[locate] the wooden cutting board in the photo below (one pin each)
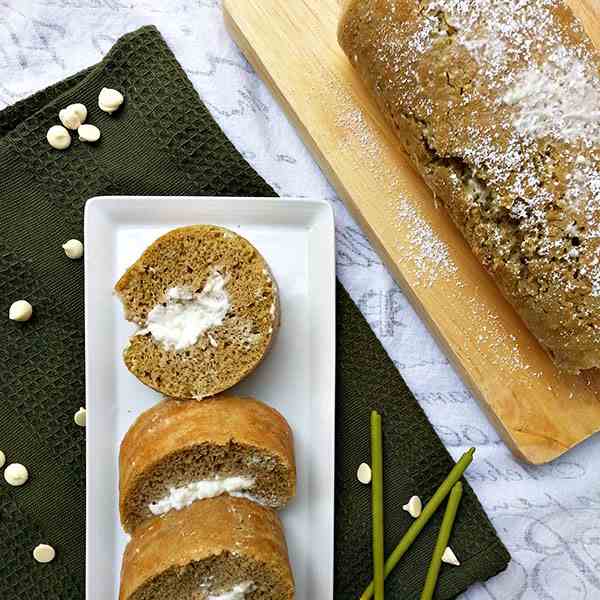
(292, 44)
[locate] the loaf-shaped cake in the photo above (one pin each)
(181, 452)
(219, 549)
(497, 102)
(207, 307)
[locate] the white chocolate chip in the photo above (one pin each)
(20, 310)
(449, 557)
(88, 133)
(44, 553)
(16, 474)
(73, 116)
(364, 473)
(2, 459)
(73, 249)
(58, 137)
(80, 417)
(414, 506)
(109, 100)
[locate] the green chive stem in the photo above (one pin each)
(442, 541)
(377, 505)
(413, 531)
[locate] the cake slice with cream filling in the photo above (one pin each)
(207, 310)
(222, 548)
(181, 452)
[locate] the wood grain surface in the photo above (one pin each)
(292, 44)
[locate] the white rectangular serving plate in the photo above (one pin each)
(296, 237)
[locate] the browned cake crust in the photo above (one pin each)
(210, 545)
(175, 443)
(186, 258)
(497, 102)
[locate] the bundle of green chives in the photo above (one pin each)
(413, 531)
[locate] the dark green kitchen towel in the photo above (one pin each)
(164, 142)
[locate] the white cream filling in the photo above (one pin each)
(187, 315)
(238, 592)
(183, 496)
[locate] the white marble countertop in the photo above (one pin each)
(549, 517)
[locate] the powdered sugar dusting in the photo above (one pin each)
(561, 99)
(492, 335)
(428, 254)
(352, 120)
(509, 28)
(425, 251)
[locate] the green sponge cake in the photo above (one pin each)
(207, 307)
(181, 452)
(219, 549)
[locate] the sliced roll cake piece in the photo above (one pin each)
(180, 452)
(207, 307)
(219, 549)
